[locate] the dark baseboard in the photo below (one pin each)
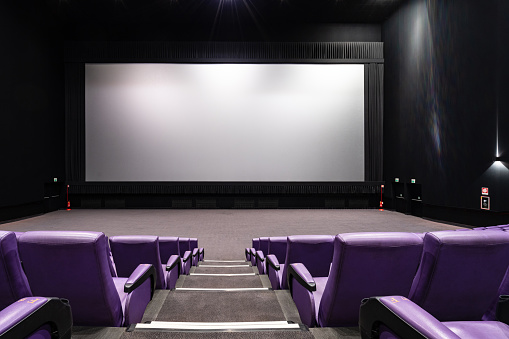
(465, 216)
(10, 213)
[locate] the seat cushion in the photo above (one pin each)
(280, 275)
(165, 275)
(478, 329)
(119, 285)
(320, 287)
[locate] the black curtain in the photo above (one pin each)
(75, 122)
(368, 53)
(373, 122)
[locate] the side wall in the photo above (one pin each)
(446, 106)
(31, 111)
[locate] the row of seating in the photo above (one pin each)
(97, 284)
(406, 280)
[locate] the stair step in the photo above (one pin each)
(217, 326)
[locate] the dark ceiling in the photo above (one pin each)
(137, 19)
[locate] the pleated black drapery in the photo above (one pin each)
(373, 122)
(368, 53)
(75, 122)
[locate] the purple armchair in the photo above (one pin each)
(23, 315)
(251, 251)
(74, 266)
(261, 253)
(198, 253)
(314, 251)
(169, 246)
(277, 249)
(130, 251)
(36, 317)
(455, 287)
(185, 254)
(364, 265)
(13, 281)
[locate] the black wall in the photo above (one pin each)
(31, 109)
(446, 82)
(32, 78)
(445, 91)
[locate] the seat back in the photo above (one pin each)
(264, 245)
(314, 251)
(184, 245)
(256, 243)
(277, 246)
(74, 266)
(13, 281)
(168, 246)
(365, 265)
(131, 250)
(460, 273)
(193, 243)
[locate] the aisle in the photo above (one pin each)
(220, 299)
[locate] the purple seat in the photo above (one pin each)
(394, 317)
(364, 265)
(21, 314)
(277, 248)
(456, 286)
(314, 251)
(36, 317)
(261, 253)
(129, 251)
(13, 281)
(185, 255)
(74, 266)
(197, 252)
(474, 261)
(251, 252)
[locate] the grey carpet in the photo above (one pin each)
(221, 307)
(213, 263)
(221, 282)
(225, 233)
(223, 270)
(220, 335)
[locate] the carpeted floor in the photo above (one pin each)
(220, 335)
(225, 270)
(221, 307)
(221, 282)
(225, 233)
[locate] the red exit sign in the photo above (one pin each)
(484, 191)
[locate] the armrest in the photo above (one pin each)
(301, 274)
(187, 255)
(201, 250)
(139, 276)
(253, 251)
(173, 261)
(273, 262)
(27, 315)
(503, 309)
(402, 316)
(260, 256)
(195, 252)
